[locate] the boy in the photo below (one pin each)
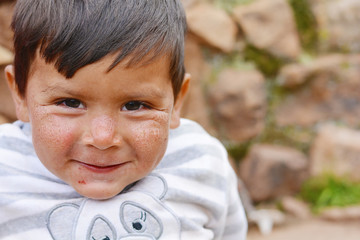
(100, 151)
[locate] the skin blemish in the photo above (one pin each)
(82, 182)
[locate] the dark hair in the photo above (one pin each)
(74, 33)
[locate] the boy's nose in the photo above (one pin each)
(103, 133)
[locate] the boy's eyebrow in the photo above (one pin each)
(55, 88)
(152, 92)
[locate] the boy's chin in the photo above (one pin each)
(97, 191)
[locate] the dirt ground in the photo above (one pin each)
(310, 229)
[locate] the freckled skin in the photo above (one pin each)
(96, 142)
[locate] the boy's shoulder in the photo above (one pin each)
(191, 138)
(17, 129)
(16, 137)
(192, 150)
(192, 130)
(186, 126)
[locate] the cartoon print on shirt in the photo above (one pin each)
(135, 214)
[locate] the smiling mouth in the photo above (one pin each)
(100, 169)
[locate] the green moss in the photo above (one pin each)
(328, 191)
(238, 151)
(268, 64)
(290, 136)
(306, 23)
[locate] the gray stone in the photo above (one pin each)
(238, 101)
(336, 150)
(213, 25)
(271, 171)
(338, 23)
(6, 35)
(329, 91)
(6, 56)
(351, 213)
(3, 119)
(293, 75)
(295, 207)
(270, 25)
(296, 74)
(190, 3)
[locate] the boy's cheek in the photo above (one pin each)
(53, 132)
(152, 136)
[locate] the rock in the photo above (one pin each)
(6, 36)
(331, 91)
(213, 25)
(7, 107)
(293, 75)
(238, 102)
(296, 74)
(296, 207)
(271, 171)
(195, 106)
(338, 24)
(336, 150)
(6, 56)
(351, 213)
(270, 25)
(3, 119)
(190, 3)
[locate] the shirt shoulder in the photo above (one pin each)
(16, 138)
(190, 141)
(201, 184)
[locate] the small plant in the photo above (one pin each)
(306, 23)
(329, 190)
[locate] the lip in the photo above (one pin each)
(100, 169)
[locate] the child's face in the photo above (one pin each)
(99, 131)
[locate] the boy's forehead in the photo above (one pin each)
(39, 63)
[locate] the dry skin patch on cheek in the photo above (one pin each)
(57, 133)
(155, 130)
(151, 138)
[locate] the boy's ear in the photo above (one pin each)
(175, 116)
(19, 100)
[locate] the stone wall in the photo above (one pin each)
(281, 87)
(277, 81)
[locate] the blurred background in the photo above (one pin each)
(278, 82)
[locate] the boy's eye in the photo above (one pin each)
(71, 103)
(133, 105)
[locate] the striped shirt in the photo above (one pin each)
(192, 194)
